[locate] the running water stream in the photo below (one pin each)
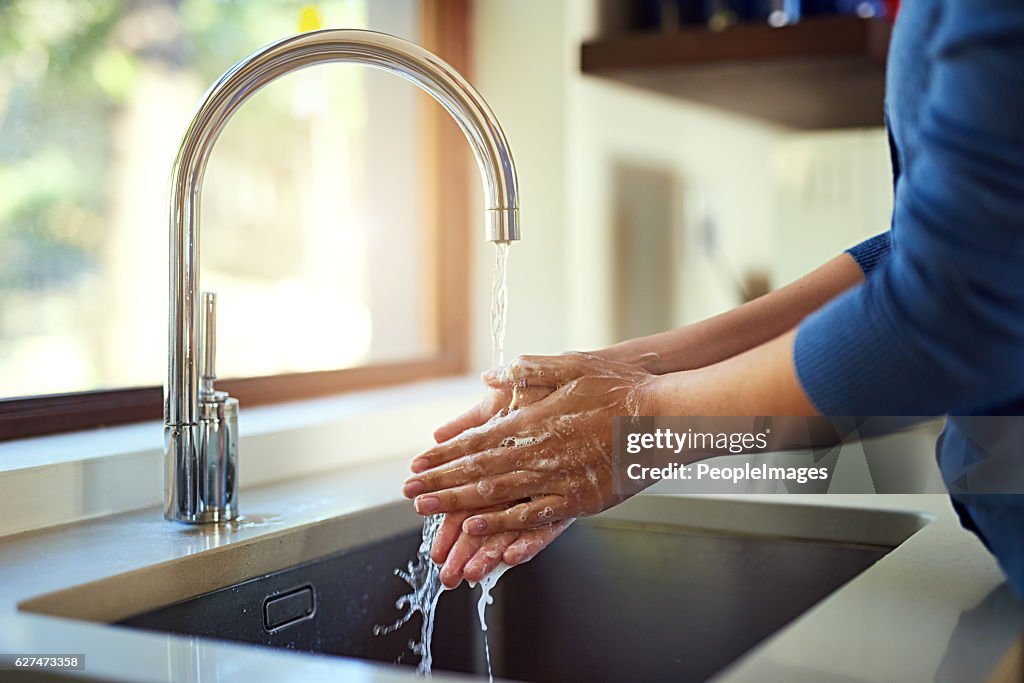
(499, 304)
(486, 584)
(422, 575)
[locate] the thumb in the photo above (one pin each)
(495, 377)
(550, 371)
(524, 397)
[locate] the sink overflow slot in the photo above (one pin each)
(282, 610)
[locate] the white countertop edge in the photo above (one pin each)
(136, 656)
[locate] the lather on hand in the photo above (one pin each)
(546, 462)
(474, 557)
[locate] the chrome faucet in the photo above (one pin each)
(200, 423)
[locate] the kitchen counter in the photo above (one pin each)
(935, 608)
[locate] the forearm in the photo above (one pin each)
(741, 329)
(760, 381)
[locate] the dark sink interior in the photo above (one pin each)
(606, 602)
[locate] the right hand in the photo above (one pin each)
(499, 398)
(474, 557)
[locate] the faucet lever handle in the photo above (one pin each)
(209, 340)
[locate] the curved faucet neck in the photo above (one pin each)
(228, 94)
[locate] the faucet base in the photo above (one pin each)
(208, 517)
(201, 465)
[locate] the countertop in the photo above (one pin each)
(936, 608)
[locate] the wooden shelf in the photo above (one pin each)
(824, 72)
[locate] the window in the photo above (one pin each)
(320, 229)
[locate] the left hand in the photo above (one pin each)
(554, 454)
(474, 557)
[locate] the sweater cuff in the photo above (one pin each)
(851, 360)
(869, 253)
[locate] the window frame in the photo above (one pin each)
(446, 166)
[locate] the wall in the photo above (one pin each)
(522, 67)
(774, 201)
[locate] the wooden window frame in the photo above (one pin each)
(446, 165)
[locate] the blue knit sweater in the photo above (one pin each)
(938, 325)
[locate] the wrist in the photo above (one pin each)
(654, 396)
(614, 353)
(625, 353)
(674, 394)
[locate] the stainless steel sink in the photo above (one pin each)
(659, 589)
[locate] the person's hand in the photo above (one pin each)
(463, 556)
(497, 398)
(500, 396)
(546, 462)
(474, 557)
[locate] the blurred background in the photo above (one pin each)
(645, 206)
(668, 171)
(299, 213)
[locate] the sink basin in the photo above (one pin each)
(632, 594)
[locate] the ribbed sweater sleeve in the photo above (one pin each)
(869, 253)
(939, 326)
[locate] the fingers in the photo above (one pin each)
(495, 378)
(554, 371)
(471, 441)
(526, 515)
(451, 529)
(456, 426)
(549, 371)
(488, 557)
(532, 541)
(465, 547)
(522, 397)
(532, 378)
(472, 558)
(490, 405)
(474, 417)
(503, 488)
(462, 471)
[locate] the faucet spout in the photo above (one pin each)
(189, 463)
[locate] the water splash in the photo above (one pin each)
(255, 522)
(486, 584)
(424, 578)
